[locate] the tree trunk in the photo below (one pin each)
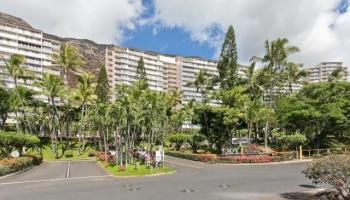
(105, 145)
(265, 138)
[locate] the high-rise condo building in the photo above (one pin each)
(323, 70)
(36, 49)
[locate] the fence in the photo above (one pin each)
(312, 153)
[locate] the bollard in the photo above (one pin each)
(301, 152)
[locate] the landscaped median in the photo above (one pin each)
(134, 170)
(232, 159)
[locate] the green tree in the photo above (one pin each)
(179, 139)
(84, 94)
(102, 88)
(227, 65)
(141, 70)
(276, 58)
(319, 111)
(294, 75)
(52, 87)
(336, 75)
(69, 60)
(5, 106)
(16, 70)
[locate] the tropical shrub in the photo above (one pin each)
(179, 139)
(36, 158)
(110, 158)
(12, 140)
(196, 140)
(68, 154)
(92, 153)
(333, 171)
(291, 141)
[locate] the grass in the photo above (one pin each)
(48, 154)
(132, 171)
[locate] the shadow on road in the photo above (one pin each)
(297, 196)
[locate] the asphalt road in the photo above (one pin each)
(193, 180)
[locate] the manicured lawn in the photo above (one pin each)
(48, 154)
(131, 171)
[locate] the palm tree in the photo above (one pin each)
(336, 75)
(253, 87)
(275, 58)
(84, 94)
(203, 84)
(69, 60)
(294, 75)
(15, 68)
(52, 87)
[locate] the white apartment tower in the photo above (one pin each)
(31, 44)
(164, 72)
(121, 65)
(322, 71)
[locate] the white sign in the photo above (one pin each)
(159, 156)
(15, 154)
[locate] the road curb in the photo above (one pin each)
(136, 176)
(15, 173)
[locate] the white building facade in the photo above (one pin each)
(36, 49)
(322, 71)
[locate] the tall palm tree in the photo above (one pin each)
(52, 87)
(276, 59)
(203, 84)
(69, 60)
(253, 87)
(294, 75)
(16, 70)
(85, 95)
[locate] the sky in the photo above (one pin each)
(320, 28)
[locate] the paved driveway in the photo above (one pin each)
(55, 171)
(193, 180)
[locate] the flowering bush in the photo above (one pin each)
(331, 170)
(246, 159)
(102, 157)
(207, 157)
(12, 165)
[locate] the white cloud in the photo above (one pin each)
(306, 23)
(103, 21)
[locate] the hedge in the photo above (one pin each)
(12, 140)
(191, 156)
(246, 159)
(213, 158)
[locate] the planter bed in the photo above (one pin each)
(232, 159)
(8, 166)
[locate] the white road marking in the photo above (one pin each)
(176, 163)
(68, 170)
(52, 180)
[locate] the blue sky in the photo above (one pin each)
(166, 40)
(175, 40)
